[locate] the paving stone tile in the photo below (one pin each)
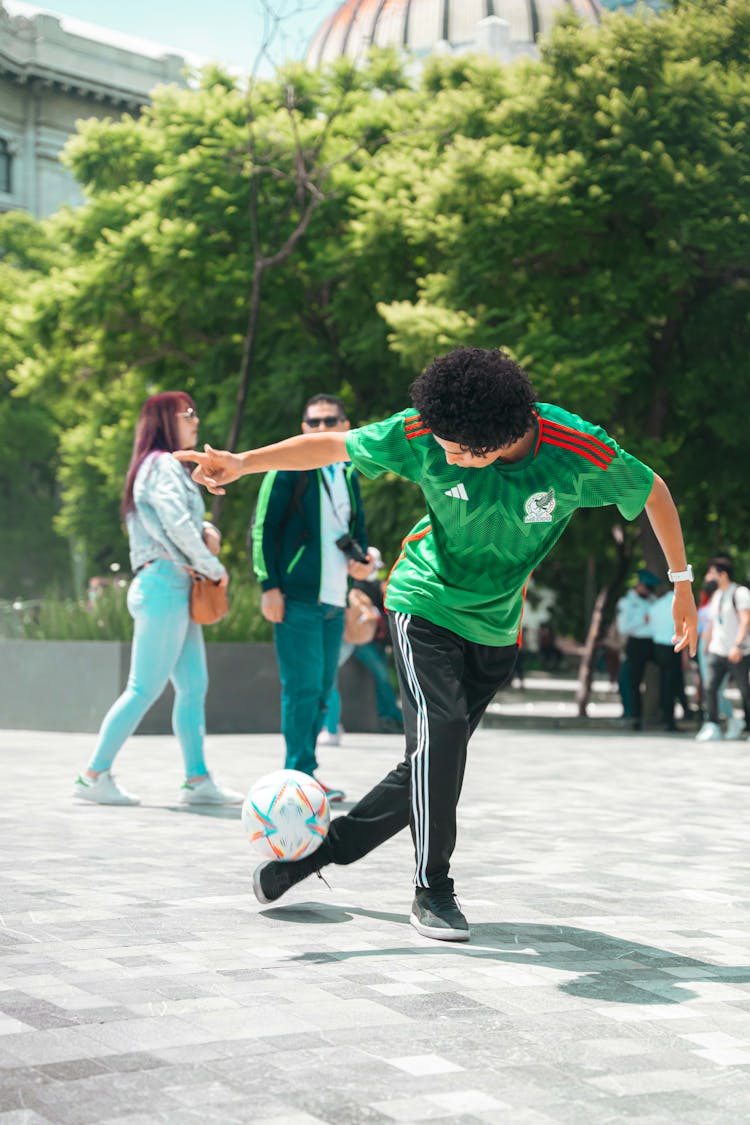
(23, 1117)
(425, 1064)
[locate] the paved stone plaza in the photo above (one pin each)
(607, 979)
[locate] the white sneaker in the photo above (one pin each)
(102, 791)
(207, 792)
(709, 732)
(735, 727)
(329, 738)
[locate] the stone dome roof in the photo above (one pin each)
(419, 25)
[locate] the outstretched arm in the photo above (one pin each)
(661, 511)
(219, 467)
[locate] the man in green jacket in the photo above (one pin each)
(304, 537)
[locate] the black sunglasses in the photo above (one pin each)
(190, 413)
(330, 421)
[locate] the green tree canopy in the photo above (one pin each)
(587, 211)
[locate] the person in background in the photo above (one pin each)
(726, 711)
(727, 642)
(373, 656)
(634, 623)
(301, 540)
(669, 662)
(163, 512)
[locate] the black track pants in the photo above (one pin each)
(639, 650)
(446, 684)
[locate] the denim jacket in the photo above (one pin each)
(167, 521)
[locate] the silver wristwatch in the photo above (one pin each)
(681, 575)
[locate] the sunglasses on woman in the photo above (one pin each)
(190, 413)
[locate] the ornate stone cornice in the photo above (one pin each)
(38, 52)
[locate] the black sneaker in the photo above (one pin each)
(272, 878)
(436, 914)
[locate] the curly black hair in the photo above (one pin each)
(480, 399)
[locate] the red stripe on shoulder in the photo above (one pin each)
(415, 427)
(577, 435)
(581, 451)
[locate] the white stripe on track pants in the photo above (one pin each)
(446, 685)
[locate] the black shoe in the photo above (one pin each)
(272, 878)
(436, 914)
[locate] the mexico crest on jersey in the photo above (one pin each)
(539, 507)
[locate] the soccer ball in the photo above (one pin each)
(286, 815)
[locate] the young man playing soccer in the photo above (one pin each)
(502, 474)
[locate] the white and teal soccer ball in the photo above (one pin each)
(286, 815)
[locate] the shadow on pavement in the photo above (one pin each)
(609, 968)
(218, 812)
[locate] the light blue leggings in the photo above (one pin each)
(167, 645)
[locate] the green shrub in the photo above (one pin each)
(107, 618)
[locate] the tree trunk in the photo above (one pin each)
(248, 348)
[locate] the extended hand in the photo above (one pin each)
(685, 617)
(216, 467)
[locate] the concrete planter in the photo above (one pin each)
(70, 685)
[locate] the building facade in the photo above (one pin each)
(50, 78)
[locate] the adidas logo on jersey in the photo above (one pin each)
(458, 492)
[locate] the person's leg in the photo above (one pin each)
(446, 684)
(373, 658)
(624, 686)
(158, 602)
(488, 671)
(663, 657)
(716, 668)
(190, 681)
(725, 707)
(740, 674)
(333, 712)
(299, 649)
(680, 683)
(331, 729)
(332, 632)
(438, 717)
(639, 652)
(429, 663)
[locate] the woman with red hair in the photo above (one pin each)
(163, 512)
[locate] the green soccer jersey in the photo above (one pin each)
(466, 563)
